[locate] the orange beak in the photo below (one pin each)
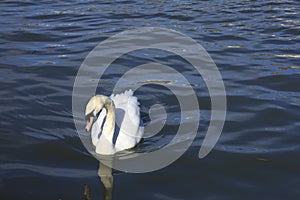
(89, 124)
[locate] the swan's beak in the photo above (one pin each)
(89, 124)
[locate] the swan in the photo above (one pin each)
(121, 109)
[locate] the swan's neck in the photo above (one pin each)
(109, 125)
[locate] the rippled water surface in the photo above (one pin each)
(255, 45)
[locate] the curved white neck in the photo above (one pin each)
(109, 125)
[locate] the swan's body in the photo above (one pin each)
(121, 110)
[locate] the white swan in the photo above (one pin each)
(122, 109)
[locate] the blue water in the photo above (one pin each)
(255, 45)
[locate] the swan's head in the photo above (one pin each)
(93, 107)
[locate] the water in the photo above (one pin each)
(254, 44)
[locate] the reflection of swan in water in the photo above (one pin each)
(105, 174)
(106, 177)
(122, 109)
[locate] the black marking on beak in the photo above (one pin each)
(88, 116)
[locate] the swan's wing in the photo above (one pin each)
(127, 111)
(128, 119)
(97, 127)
